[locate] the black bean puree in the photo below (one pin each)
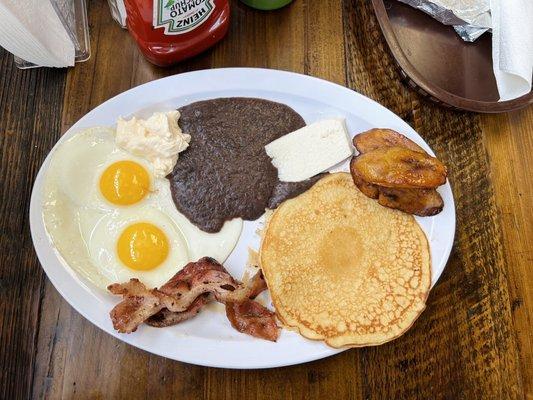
(225, 173)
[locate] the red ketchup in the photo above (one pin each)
(168, 31)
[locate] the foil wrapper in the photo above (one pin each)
(470, 18)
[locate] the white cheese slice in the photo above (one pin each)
(33, 31)
(301, 154)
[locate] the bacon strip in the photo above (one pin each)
(139, 304)
(183, 296)
(205, 276)
(252, 318)
(168, 318)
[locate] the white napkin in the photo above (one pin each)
(32, 30)
(512, 46)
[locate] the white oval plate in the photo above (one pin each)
(209, 339)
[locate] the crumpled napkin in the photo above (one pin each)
(512, 46)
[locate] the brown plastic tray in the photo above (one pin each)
(435, 61)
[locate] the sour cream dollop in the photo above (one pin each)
(158, 139)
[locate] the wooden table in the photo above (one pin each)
(472, 342)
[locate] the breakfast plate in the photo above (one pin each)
(208, 339)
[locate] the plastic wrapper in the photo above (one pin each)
(470, 18)
(118, 11)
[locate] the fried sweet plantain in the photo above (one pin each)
(379, 138)
(398, 167)
(368, 189)
(422, 202)
(397, 172)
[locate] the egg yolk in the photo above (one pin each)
(142, 246)
(124, 183)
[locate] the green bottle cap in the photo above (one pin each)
(266, 4)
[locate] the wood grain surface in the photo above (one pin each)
(472, 342)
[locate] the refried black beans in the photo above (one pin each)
(225, 173)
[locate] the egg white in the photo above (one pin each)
(84, 226)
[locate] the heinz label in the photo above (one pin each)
(181, 16)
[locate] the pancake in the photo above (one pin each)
(343, 269)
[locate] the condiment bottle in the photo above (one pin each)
(168, 31)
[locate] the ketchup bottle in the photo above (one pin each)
(168, 31)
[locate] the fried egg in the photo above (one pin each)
(95, 173)
(140, 242)
(111, 219)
